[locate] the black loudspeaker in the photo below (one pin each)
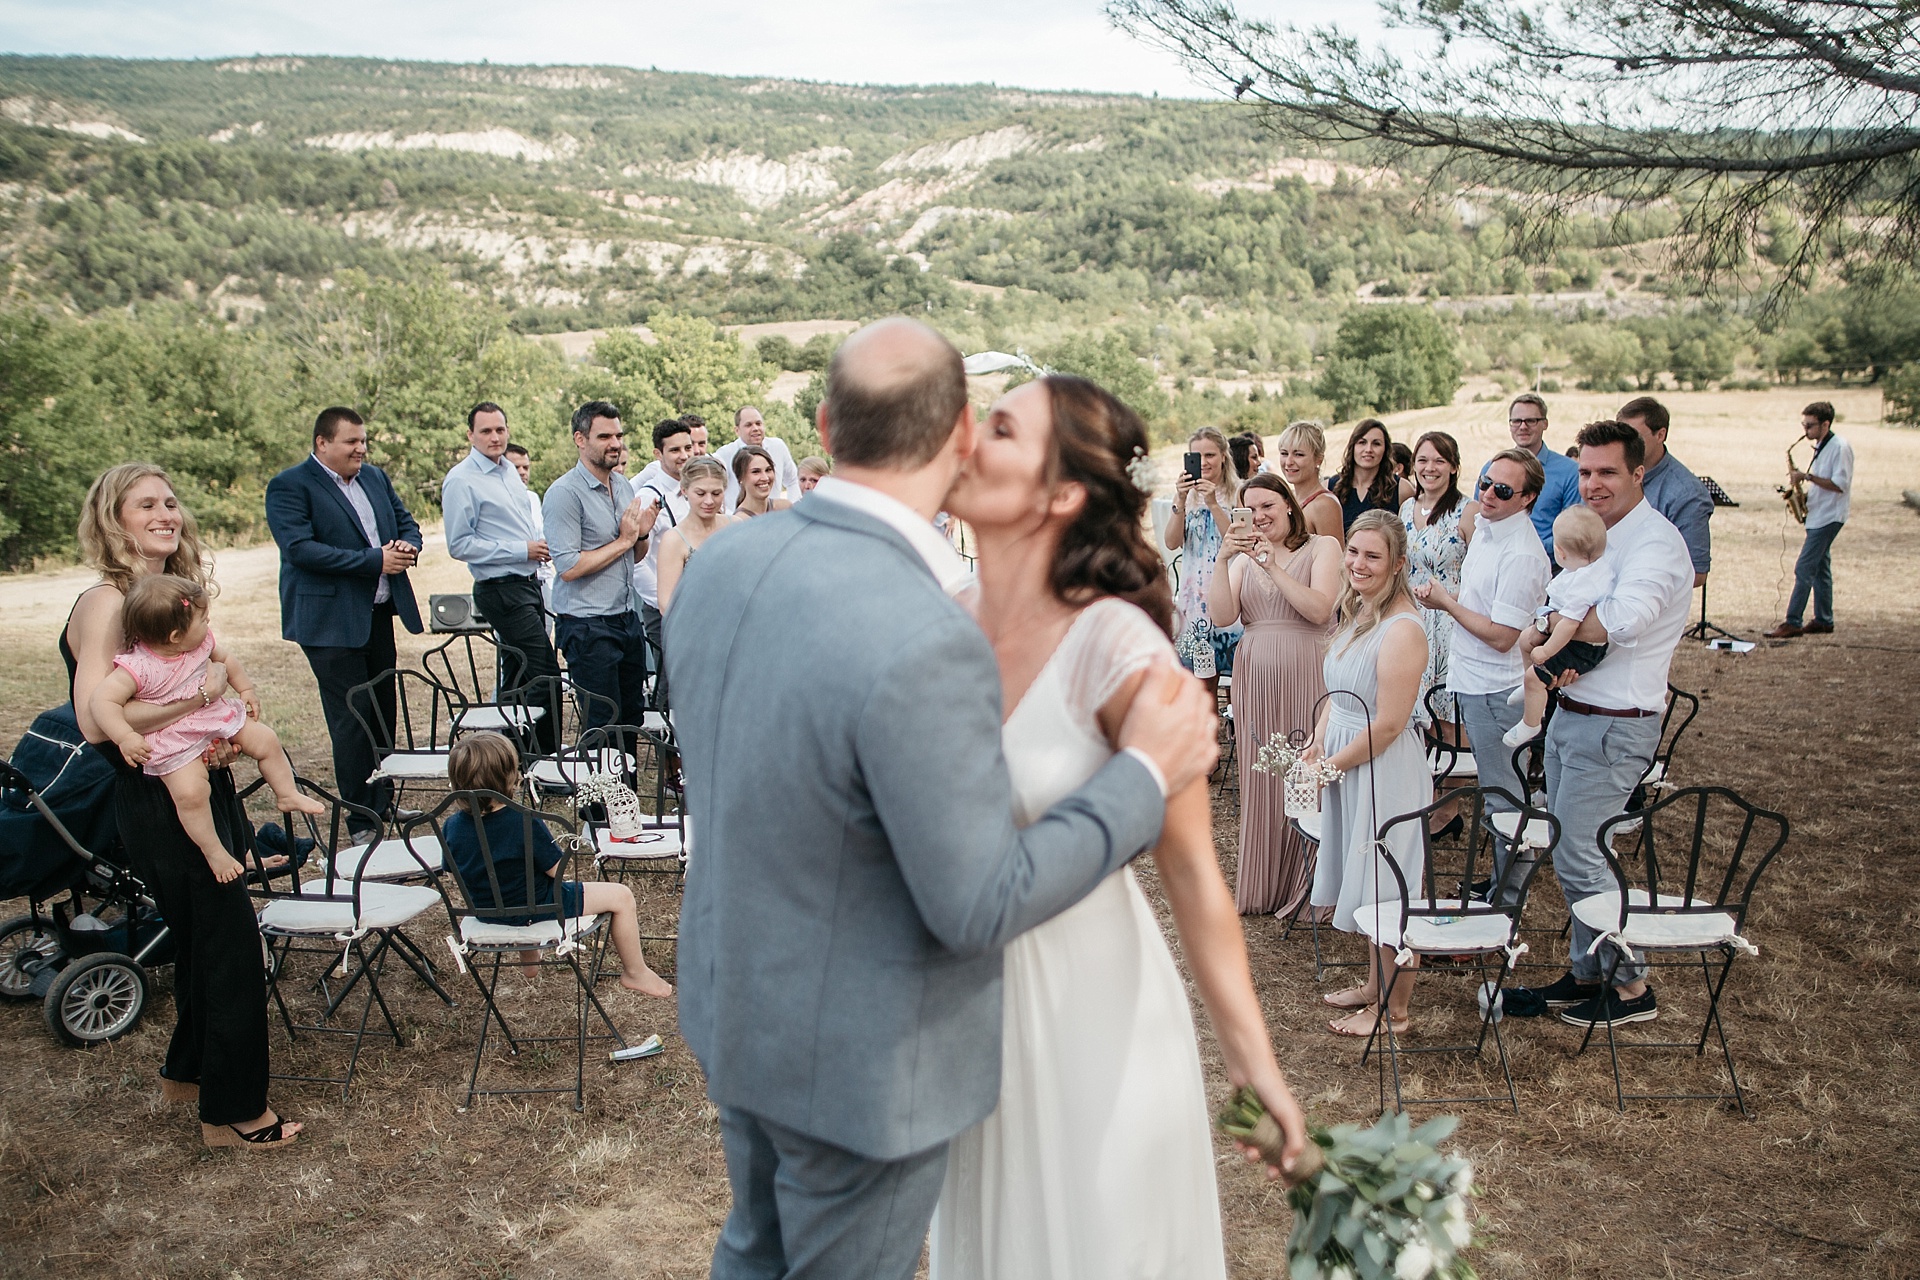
(454, 613)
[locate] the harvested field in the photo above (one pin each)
(97, 1177)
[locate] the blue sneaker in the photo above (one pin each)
(1611, 1007)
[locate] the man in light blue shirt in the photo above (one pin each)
(1671, 489)
(1527, 420)
(490, 529)
(596, 531)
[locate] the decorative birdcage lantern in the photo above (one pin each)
(1302, 791)
(618, 801)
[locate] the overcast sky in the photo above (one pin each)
(1039, 44)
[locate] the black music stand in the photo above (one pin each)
(1703, 629)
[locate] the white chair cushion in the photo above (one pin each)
(1431, 935)
(1537, 836)
(496, 717)
(382, 906)
(655, 842)
(1308, 827)
(409, 766)
(541, 933)
(390, 859)
(1655, 775)
(654, 722)
(1601, 913)
(1463, 765)
(550, 772)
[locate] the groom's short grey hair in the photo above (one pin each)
(895, 390)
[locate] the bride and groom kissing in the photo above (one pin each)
(913, 963)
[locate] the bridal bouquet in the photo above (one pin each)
(1383, 1203)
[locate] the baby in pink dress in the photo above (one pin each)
(165, 622)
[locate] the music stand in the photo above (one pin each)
(1703, 629)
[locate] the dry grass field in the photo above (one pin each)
(97, 1178)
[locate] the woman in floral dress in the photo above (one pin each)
(1439, 524)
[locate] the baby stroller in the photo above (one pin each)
(91, 929)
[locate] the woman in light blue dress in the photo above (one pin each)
(1366, 729)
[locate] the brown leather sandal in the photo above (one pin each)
(228, 1135)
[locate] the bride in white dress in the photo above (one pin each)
(1098, 1163)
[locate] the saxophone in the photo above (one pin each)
(1796, 493)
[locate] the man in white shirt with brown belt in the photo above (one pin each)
(1602, 739)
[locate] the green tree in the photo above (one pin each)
(691, 366)
(1110, 361)
(1390, 358)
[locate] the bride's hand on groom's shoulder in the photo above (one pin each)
(1172, 719)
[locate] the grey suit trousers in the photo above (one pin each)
(807, 1210)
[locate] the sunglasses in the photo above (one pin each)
(1504, 492)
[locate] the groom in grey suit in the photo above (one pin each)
(858, 868)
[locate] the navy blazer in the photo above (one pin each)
(328, 573)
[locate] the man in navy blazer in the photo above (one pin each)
(346, 543)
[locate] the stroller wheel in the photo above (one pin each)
(26, 943)
(97, 998)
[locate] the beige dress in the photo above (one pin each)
(1276, 681)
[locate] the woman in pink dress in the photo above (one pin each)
(1281, 581)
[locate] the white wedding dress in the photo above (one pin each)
(1098, 1162)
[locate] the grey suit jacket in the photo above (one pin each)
(856, 867)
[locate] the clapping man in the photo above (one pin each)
(490, 529)
(595, 533)
(1674, 491)
(1502, 581)
(346, 543)
(749, 428)
(1527, 423)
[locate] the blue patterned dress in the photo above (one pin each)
(1434, 554)
(1198, 553)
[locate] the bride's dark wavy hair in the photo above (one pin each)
(1104, 551)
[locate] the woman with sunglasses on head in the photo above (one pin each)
(1297, 456)
(1367, 481)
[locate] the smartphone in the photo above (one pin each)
(1193, 465)
(1240, 519)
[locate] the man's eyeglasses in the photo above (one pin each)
(1523, 422)
(1504, 492)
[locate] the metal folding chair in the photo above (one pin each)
(1691, 905)
(485, 932)
(477, 666)
(411, 744)
(1456, 924)
(356, 919)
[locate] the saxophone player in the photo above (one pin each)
(1829, 481)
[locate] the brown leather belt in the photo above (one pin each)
(1582, 709)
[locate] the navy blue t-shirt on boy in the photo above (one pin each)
(506, 833)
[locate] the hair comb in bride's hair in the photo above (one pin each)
(1142, 471)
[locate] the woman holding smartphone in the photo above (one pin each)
(1281, 581)
(1196, 530)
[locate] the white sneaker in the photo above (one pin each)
(1518, 696)
(1522, 732)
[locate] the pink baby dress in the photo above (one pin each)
(160, 679)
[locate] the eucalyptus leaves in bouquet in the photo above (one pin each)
(1369, 1204)
(1387, 1204)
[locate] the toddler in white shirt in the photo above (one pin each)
(1580, 544)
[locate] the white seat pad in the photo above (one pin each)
(1463, 766)
(382, 906)
(1308, 827)
(390, 859)
(1436, 935)
(655, 842)
(1601, 913)
(407, 766)
(541, 933)
(496, 717)
(551, 772)
(1538, 834)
